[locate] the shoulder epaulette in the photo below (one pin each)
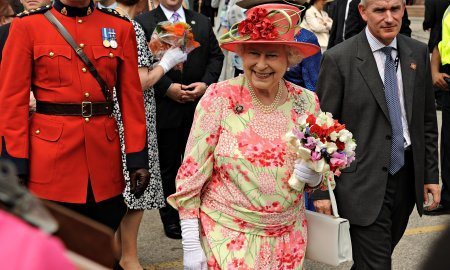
(38, 10)
(113, 12)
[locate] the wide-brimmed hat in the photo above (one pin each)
(268, 24)
(251, 3)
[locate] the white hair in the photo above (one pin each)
(364, 2)
(293, 56)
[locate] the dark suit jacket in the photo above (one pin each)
(355, 22)
(434, 11)
(204, 64)
(4, 32)
(337, 29)
(350, 87)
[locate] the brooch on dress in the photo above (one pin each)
(300, 105)
(238, 108)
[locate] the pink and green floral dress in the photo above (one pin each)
(234, 178)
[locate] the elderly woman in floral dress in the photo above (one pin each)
(237, 208)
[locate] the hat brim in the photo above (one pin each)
(251, 3)
(305, 49)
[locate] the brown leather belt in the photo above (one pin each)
(84, 109)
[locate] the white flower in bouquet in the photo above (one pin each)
(345, 136)
(331, 147)
(350, 146)
(325, 119)
(334, 136)
(302, 120)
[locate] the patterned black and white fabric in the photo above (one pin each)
(153, 197)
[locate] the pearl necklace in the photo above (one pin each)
(259, 105)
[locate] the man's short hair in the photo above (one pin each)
(364, 2)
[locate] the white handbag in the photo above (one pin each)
(328, 236)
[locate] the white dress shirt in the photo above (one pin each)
(380, 58)
(169, 13)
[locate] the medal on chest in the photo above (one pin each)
(109, 38)
(113, 40)
(105, 38)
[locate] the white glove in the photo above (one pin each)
(304, 174)
(193, 256)
(172, 57)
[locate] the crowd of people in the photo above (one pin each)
(95, 122)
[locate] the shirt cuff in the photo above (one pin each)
(21, 164)
(138, 160)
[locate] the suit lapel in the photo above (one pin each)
(369, 71)
(191, 21)
(195, 29)
(159, 15)
(408, 65)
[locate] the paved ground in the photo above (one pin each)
(159, 252)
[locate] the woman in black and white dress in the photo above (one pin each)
(149, 72)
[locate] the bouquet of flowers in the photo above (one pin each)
(321, 142)
(167, 35)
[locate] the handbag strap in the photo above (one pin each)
(333, 200)
(66, 35)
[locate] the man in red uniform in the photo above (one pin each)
(69, 150)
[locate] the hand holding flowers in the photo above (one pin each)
(322, 143)
(305, 174)
(169, 35)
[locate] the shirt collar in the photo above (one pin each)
(112, 6)
(73, 11)
(375, 44)
(169, 13)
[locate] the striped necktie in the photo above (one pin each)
(175, 17)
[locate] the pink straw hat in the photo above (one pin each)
(268, 24)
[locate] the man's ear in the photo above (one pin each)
(362, 12)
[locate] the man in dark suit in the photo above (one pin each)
(378, 84)
(177, 94)
(355, 22)
(339, 17)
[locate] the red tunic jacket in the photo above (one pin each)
(65, 152)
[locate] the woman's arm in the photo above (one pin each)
(198, 163)
(328, 20)
(438, 77)
(150, 76)
(315, 21)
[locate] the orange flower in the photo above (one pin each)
(167, 35)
